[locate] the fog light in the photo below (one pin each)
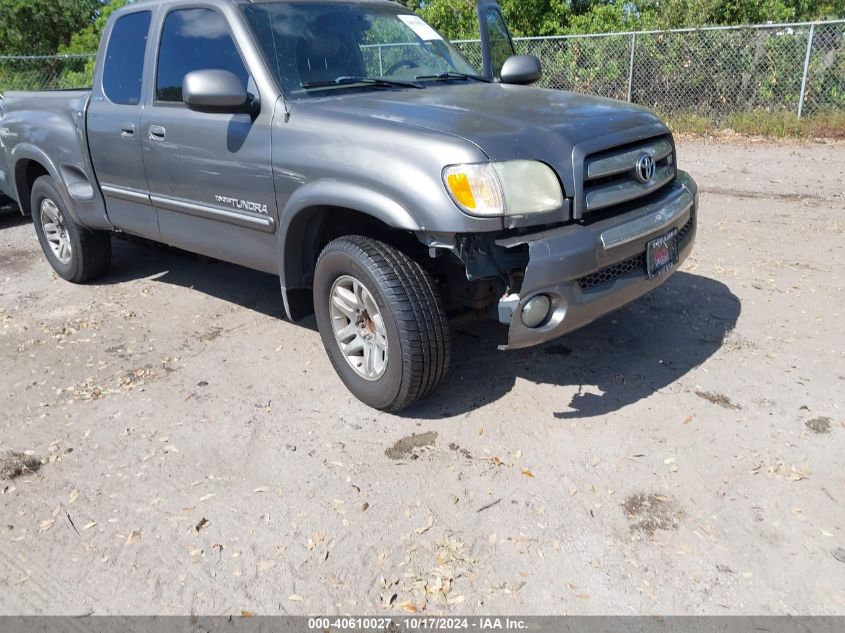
(536, 311)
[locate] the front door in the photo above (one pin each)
(114, 122)
(210, 175)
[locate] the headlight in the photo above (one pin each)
(516, 187)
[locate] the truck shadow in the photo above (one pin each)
(11, 217)
(136, 258)
(614, 362)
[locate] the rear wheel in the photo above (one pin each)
(382, 322)
(75, 253)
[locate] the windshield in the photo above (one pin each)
(327, 46)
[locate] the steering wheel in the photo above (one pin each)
(402, 63)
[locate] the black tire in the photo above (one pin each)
(417, 331)
(90, 255)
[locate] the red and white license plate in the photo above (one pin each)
(662, 254)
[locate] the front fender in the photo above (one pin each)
(294, 217)
(338, 193)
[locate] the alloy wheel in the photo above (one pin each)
(359, 328)
(55, 231)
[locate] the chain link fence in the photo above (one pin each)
(710, 72)
(57, 72)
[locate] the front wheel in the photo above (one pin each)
(382, 322)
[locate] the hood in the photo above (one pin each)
(507, 122)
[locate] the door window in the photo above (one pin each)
(194, 39)
(501, 46)
(123, 67)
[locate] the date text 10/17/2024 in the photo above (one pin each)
(417, 624)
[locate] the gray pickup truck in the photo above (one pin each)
(346, 147)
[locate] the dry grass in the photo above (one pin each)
(830, 125)
(14, 464)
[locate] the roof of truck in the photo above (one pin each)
(145, 3)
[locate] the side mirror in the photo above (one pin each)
(216, 91)
(521, 70)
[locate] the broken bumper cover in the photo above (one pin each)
(589, 271)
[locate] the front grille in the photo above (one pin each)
(609, 176)
(636, 263)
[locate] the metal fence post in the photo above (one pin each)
(631, 68)
(806, 68)
(380, 62)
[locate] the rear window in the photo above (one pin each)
(123, 68)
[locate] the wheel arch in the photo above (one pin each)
(30, 163)
(27, 171)
(325, 212)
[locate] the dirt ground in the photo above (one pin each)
(683, 456)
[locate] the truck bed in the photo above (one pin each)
(50, 116)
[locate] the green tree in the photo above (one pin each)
(42, 27)
(87, 40)
(611, 17)
(537, 17)
(455, 19)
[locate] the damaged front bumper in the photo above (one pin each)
(587, 271)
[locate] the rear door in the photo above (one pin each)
(496, 41)
(210, 174)
(114, 121)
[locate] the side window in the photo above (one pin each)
(194, 39)
(124, 64)
(501, 47)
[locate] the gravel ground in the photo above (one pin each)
(199, 455)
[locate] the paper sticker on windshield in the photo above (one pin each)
(418, 26)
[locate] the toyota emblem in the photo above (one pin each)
(644, 171)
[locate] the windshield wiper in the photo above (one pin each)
(351, 80)
(451, 75)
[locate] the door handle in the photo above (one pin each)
(157, 133)
(127, 131)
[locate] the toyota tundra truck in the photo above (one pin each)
(348, 148)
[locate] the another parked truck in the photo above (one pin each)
(346, 147)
